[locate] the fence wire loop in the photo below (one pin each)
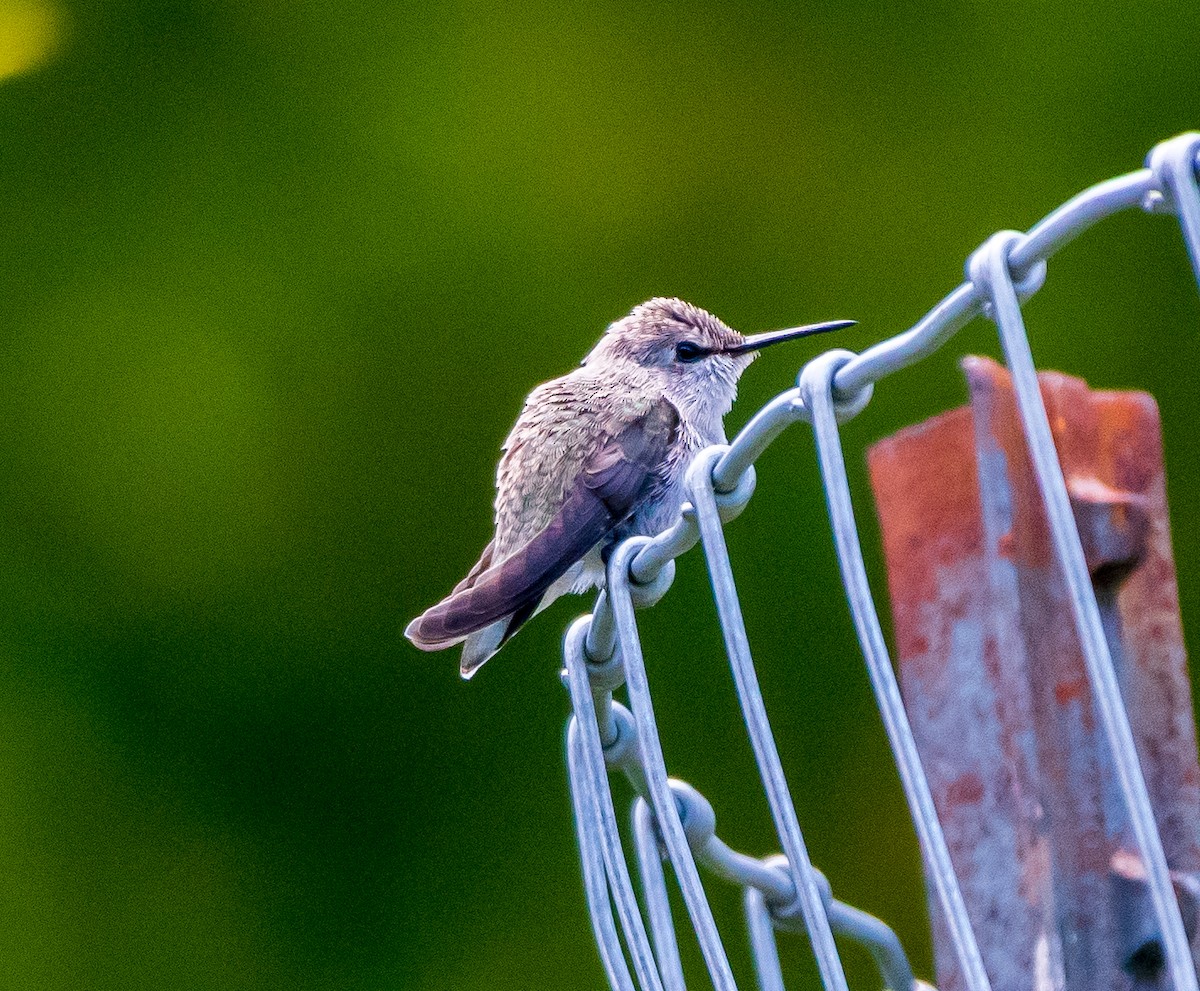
(605, 672)
(979, 268)
(866, 930)
(730, 502)
(647, 593)
(786, 915)
(696, 811)
(621, 751)
(847, 403)
(769, 878)
(1173, 164)
(674, 823)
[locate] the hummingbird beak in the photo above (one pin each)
(759, 341)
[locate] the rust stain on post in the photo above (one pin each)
(995, 681)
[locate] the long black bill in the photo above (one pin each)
(757, 342)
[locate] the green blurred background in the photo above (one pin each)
(276, 278)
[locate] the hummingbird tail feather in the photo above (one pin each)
(413, 633)
(521, 580)
(424, 641)
(480, 646)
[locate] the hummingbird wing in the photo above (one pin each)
(601, 496)
(480, 566)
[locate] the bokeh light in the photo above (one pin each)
(31, 33)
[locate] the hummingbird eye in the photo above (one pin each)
(689, 351)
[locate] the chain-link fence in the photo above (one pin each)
(671, 820)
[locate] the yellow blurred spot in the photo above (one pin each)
(30, 32)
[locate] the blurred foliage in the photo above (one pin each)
(277, 278)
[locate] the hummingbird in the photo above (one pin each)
(596, 456)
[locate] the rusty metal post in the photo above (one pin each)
(996, 686)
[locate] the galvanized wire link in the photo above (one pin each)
(654, 889)
(603, 650)
(654, 767)
(589, 765)
(763, 948)
(866, 930)
(816, 385)
(595, 881)
(737, 646)
(1174, 164)
(694, 815)
(990, 272)
(879, 939)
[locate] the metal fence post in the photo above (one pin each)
(995, 680)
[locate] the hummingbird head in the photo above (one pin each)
(696, 358)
